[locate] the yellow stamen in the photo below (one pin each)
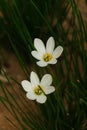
(47, 57)
(38, 90)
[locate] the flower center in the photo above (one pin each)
(47, 57)
(38, 90)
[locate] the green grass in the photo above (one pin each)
(66, 109)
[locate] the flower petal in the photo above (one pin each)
(34, 78)
(26, 85)
(49, 89)
(39, 45)
(50, 45)
(58, 51)
(42, 63)
(46, 80)
(41, 99)
(36, 55)
(31, 96)
(53, 61)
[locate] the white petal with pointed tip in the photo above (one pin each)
(58, 51)
(39, 45)
(46, 80)
(53, 61)
(26, 85)
(34, 78)
(36, 55)
(50, 45)
(31, 96)
(41, 99)
(42, 63)
(49, 89)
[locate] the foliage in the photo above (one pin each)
(23, 21)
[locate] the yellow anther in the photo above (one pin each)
(38, 90)
(47, 57)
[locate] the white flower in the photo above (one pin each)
(36, 89)
(46, 55)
